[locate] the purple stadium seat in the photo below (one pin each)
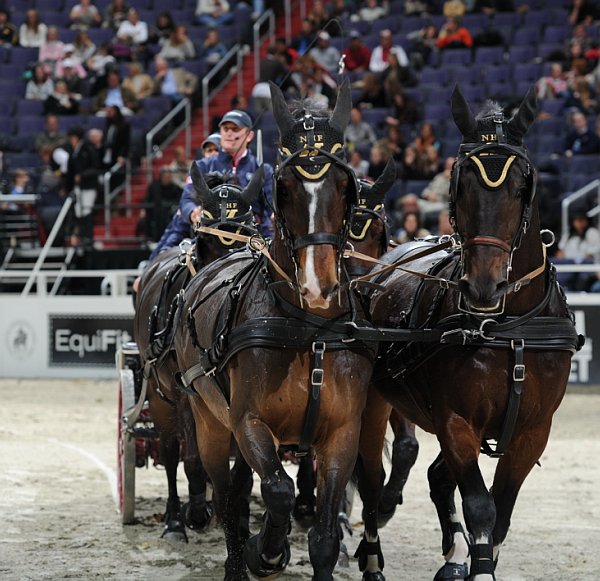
(551, 106)
(537, 18)
(527, 72)
(35, 124)
(584, 164)
(436, 113)
(29, 107)
(498, 74)
(550, 50)
(527, 36)
(465, 75)
(431, 75)
(474, 93)
(389, 22)
(456, 56)
(415, 186)
(23, 56)
(411, 24)
(49, 5)
(501, 90)
(489, 55)
(521, 54)
(556, 34)
(100, 36)
(374, 117)
(507, 19)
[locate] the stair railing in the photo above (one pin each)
(270, 16)
(207, 92)
(39, 263)
(109, 195)
(154, 151)
(289, 14)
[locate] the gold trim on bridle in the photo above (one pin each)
(310, 152)
(484, 175)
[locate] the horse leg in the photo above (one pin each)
(165, 419)
(197, 512)
(455, 547)
(460, 447)
(267, 553)
(371, 476)
(214, 445)
(336, 457)
(513, 467)
(304, 507)
(404, 454)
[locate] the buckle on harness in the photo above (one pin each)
(316, 377)
(519, 372)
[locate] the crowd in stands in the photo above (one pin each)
(402, 57)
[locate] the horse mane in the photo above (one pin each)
(489, 109)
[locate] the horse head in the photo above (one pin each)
(369, 228)
(225, 206)
(491, 196)
(314, 195)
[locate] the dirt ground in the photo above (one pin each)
(59, 521)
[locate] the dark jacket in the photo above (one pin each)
(116, 142)
(85, 163)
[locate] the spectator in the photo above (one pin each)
(379, 57)
(418, 8)
(396, 76)
(304, 40)
(40, 86)
(423, 44)
(9, 36)
(436, 194)
(357, 54)
(358, 134)
(32, 33)
(554, 85)
(453, 35)
(161, 202)
(378, 159)
(287, 53)
(371, 11)
(426, 138)
(180, 166)
(454, 8)
(323, 84)
(213, 50)
(319, 18)
(404, 110)
(50, 192)
(115, 94)
(162, 28)
(359, 165)
(444, 226)
(582, 97)
(325, 55)
(213, 12)
(70, 75)
(581, 140)
(96, 137)
(580, 244)
(413, 165)
(117, 137)
(410, 228)
(138, 82)
(395, 142)
(174, 83)
(178, 47)
(51, 137)
(75, 63)
(372, 94)
(132, 36)
(84, 15)
(61, 102)
(52, 51)
(210, 146)
(19, 187)
(114, 14)
(582, 12)
(82, 180)
(98, 66)
(83, 47)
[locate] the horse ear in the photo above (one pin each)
(463, 116)
(200, 185)
(525, 114)
(384, 182)
(343, 106)
(254, 187)
(283, 117)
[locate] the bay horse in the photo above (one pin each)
(265, 348)
(225, 208)
(501, 337)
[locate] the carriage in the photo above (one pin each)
(491, 313)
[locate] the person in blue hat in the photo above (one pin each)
(235, 158)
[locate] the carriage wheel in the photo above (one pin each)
(126, 450)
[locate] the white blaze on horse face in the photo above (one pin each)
(311, 280)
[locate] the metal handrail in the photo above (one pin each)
(566, 203)
(270, 16)
(110, 195)
(289, 14)
(37, 267)
(152, 152)
(235, 50)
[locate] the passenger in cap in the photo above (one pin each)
(210, 146)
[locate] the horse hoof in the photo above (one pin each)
(258, 566)
(174, 537)
(197, 517)
(378, 576)
(452, 571)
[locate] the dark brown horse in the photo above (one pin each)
(265, 348)
(226, 207)
(502, 340)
